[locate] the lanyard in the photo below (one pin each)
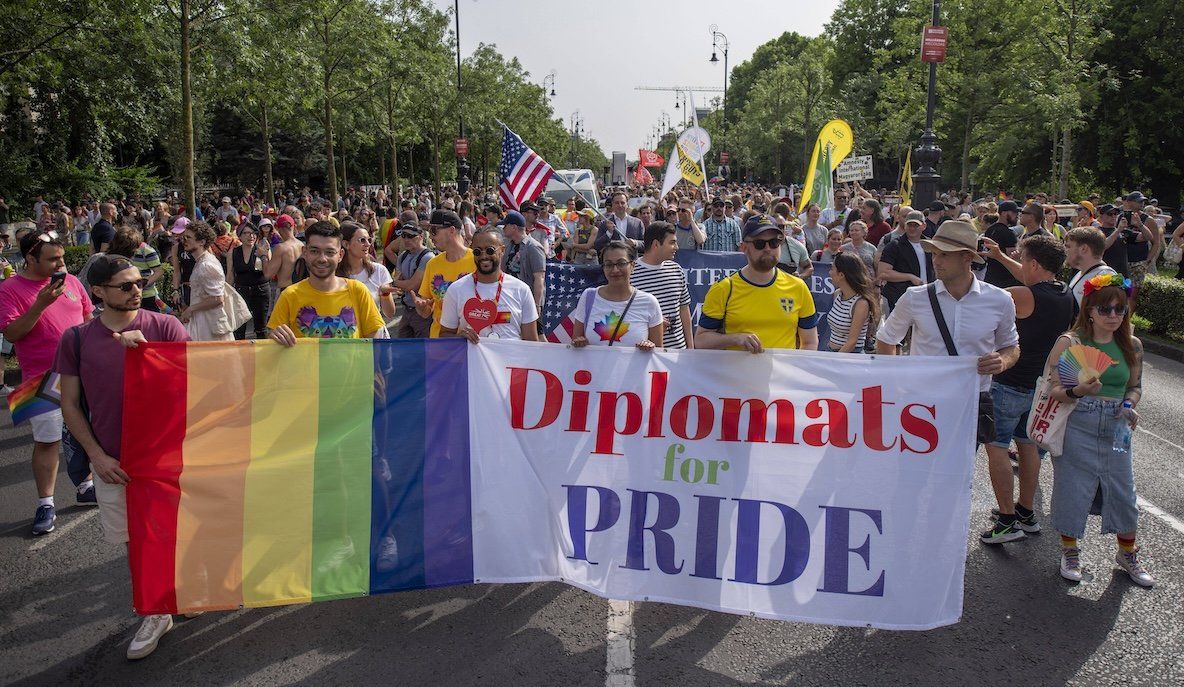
(497, 297)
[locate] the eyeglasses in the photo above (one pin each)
(127, 286)
(761, 244)
(488, 250)
(616, 265)
(1108, 310)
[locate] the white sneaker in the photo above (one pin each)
(1071, 564)
(150, 632)
(1130, 563)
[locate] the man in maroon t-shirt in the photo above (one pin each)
(90, 362)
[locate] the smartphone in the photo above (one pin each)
(982, 246)
(57, 279)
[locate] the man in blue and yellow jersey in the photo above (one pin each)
(760, 306)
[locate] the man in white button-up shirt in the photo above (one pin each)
(980, 317)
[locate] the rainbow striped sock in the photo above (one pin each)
(1068, 542)
(1127, 545)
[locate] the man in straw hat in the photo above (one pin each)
(957, 315)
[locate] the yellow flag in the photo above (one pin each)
(906, 180)
(691, 171)
(836, 133)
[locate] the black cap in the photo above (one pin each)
(718, 202)
(1009, 206)
(106, 266)
(1136, 197)
(758, 224)
(937, 206)
(1106, 209)
(528, 206)
(446, 218)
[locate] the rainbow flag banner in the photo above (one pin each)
(783, 485)
(277, 476)
(37, 396)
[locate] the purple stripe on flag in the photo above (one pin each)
(447, 493)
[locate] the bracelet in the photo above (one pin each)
(1070, 393)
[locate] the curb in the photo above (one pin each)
(1164, 350)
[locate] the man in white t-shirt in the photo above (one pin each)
(1084, 247)
(489, 303)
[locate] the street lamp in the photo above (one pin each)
(550, 77)
(926, 179)
(462, 161)
(720, 42)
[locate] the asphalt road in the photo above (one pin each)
(65, 603)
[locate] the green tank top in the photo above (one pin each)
(1115, 378)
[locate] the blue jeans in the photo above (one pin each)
(1088, 465)
(81, 237)
(1012, 405)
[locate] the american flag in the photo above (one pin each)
(565, 283)
(524, 174)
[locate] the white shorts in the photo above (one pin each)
(47, 427)
(112, 500)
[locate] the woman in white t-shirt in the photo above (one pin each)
(358, 264)
(617, 313)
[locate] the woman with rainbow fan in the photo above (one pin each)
(1099, 366)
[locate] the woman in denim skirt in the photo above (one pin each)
(1089, 463)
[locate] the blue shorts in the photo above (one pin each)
(1012, 405)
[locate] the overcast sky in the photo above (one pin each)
(601, 50)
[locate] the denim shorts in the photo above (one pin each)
(1012, 405)
(1089, 464)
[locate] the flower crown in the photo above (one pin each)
(1103, 280)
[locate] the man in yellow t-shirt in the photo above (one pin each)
(454, 261)
(760, 306)
(324, 306)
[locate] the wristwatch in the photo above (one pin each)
(1070, 393)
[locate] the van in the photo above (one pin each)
(583, 180)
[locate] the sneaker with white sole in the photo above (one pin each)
(151, 630)
(1130, 563)
(1001, 533)
(1071, 564)
(1029, 524)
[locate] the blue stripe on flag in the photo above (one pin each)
(448, 506)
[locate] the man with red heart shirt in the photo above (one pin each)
(489, 303)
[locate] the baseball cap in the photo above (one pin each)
(528, 206)
(1106, 209)
(225, 199)
(1089, 207)
(446, 218)
(106, 266)
(411, 228)
(937, 206)
(758, 224)
(587, 212)
(915, 216)
(717, 203)
(284, 221)
(265, 221)
(179, 225)
(513, 217)
(1009, 206)
(1136, 197)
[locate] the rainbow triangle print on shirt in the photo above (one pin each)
(606, 327)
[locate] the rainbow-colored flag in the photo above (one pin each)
(333, 469)
(37, 396)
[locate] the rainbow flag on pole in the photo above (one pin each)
(334, 469)
(37, 396)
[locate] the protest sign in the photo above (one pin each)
(854, 169)
(783, 485)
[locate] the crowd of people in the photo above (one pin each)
(957, 277)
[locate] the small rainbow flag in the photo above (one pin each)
(332, 469)
(37, 396)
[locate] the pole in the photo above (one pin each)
(926, 179)
(462, 162)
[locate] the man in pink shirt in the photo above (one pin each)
(37, 305)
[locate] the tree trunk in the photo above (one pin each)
(331, 162)
(390, 127)
(187, 183)
(268, 180)
(1066, 161)
(436, 162)
(411, 164)
(966, 147)
(344, 178)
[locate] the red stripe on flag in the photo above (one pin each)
(524, 181)
(153, 429)
(540, 183)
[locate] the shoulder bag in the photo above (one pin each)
(1048, 417)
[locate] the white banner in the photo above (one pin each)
(815, 487)
(854, 169)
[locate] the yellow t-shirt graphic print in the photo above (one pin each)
(438, 275)
(348, 313)
(770, 311)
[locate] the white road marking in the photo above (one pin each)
(618, 670)
(59, 532)
(1172, 521)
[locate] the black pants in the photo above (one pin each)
(257, 298)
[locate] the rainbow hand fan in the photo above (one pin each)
(1080, 363)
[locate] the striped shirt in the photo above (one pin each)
(146, 259)
(722, 234)
(839, 319)
(668, 283)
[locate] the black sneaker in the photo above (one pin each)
(1000, 533)
(1029, 524)
(87, 497)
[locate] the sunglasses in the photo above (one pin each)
(761, 244)
(127, 286)
(1119, 310)
(486, 250)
